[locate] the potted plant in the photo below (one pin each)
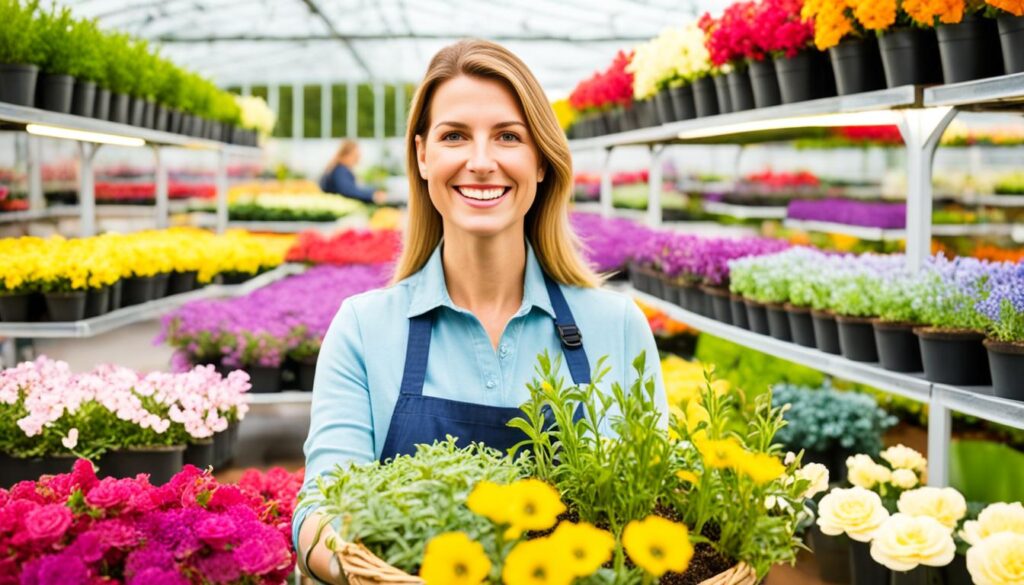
(20, 51)
(64, 287)
(988, 545)
(968, 40)
(765, 291)
(851, 43)
(55, 88)
(116, 52)
(729, 42)
(19, 282)
(1010, 21)
(305, 353)
(894, 301)
(140, 88)
(1001, 305)
(854, 307)
(784, 38)
(910, 54)
(86, 66)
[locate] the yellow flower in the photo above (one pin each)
(946, 505)
(902, 457)
(721, 454)
(687, 476)
(903, 542)
(760, 467)
(997, 560)
(904, 479)
(857, 512)
(531, 563)
(532, 505)
(996, 518)
(453, 558)
(658, 545)
(586, 546)
(488, 499)
(862, 471)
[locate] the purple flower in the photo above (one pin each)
(58, 569)
(150, 557)
(844, 211)
(219, 567)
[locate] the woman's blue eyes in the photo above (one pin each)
(503, 137)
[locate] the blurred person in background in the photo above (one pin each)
(339, 178)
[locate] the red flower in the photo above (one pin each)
(613, 86)
(730, 38)
(780, 28)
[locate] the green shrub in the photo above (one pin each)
(170, 84)
(116, 48)
(58, 49)
(19, 33)
(825, 419)
(86, 39)
(140, 62)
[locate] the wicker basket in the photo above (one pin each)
(362, 567)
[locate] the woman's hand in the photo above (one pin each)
(318, 558)
(380, 197)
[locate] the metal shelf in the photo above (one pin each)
(887, 235)
(283, 397)
(207, 219)
(781, 117)
(21, 115)
(995, 93)
(994, 200)
(142, 312)
(56, 212)
(745, 211)
(978, 401)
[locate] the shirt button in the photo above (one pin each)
(491, 382)
(503, 350)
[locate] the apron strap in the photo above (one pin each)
(569, 333)
(416, 352)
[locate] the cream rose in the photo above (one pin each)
(997, 560)
(996, 518)
(817, 475)
(946, 505)
(857, 512)
(903, 542)
(904, 479)
(902, 457)
(862, 471)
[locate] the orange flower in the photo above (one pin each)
(925, 12)
(874, 14)
(1014, 7)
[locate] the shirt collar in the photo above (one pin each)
(431, 291)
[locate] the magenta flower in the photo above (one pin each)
(111, 493)
(47, 524)
(216, 530)
(262, 555)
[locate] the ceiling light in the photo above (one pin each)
(866, 118)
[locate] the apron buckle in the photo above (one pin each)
(571, 336)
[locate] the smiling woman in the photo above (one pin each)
(490, 276)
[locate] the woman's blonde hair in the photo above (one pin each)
(347, 146)
(547, 221)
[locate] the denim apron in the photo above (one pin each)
(420, 419)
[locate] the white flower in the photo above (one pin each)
(862, 471)
(677, 53)
(946, 505)
(997, 560)
(790, 458)
(70, 441)
(256, 114)
(995, 518)
(857, 512)
(817, 475)
(903, 542)
(904, 479)
(902, 457)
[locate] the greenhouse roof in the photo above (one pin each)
(240, 42)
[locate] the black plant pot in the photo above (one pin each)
(182, 282)
(115, 295)
(66, 306)
(199, 453)
(15, 469)
(149, 114)
(682, 102)
(910, 56)
(221, 449)
(185, 128)
(805, 76)
(834, 459)
(863, 569)
(137, 114)
(18, 84)
(955, 573)
(953, 357)
(136, 290)
(832, 554)
(174, 121)
(55, 92)
(630, 119)
(969, 49)
(120, 105)
(84, 100)
(663, 105)
(648, 111)
(765, 83)
(705, 97)
(778, 322)
(898, 349)
(739, 312)
(801, 325)
(857, 338)
(740, 91)
(1006, 362)
(826, 332)
(161, 463)
(721, 307)
(97, 302)
(857, 64)
(101, 107)
(161, 119)
(307, 372)
(722, 94)
(14, 308)
(198, 127)
(692, 298)
(757, 317)
(265, 380)
(1011, 38)
(160, 284)
(921, 575)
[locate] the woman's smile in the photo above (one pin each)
(483, 196)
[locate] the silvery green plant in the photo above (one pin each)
(824, 419)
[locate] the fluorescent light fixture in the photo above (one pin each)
(83, 136)
(865, 118)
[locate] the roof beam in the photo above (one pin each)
(348, 38)
(336, 34)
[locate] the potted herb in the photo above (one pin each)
(20, 51)
(116, 52)
(55, 88)
(894, 300)
(86, 66)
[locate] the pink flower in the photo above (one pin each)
(158, 576)
(216, 530)
(111, 493)
(262, 555)
(48, 524)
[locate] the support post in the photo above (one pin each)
(163, 205)
(34, 167)
(921, 130)
(222, 191)
(298, 111)
(654, 184)
(87, 190)
(400, 120)
(939, 427)
(607, 209)
(352, 110)
(274, 99)
(326, 107)
(378, 116)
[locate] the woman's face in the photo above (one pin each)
(353, 157)
(478, 158)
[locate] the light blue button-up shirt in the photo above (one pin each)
(361, 362)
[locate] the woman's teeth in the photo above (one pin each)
(482, 194)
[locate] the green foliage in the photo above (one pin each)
(58, 50)
(751, 370)
(86, 41)
(395, 508)
(1010, 325)
(854, 295)
(971, 471)
(20, 41)
(170, 84)
(139, 61)
(115, 51)
(897, 299)
(945, 304)
(825, 419)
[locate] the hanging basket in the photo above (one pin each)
(362, 567)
